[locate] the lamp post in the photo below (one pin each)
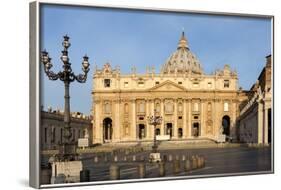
(66, 149)
(154, 120)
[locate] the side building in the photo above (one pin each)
(255, 120)
(52, 123)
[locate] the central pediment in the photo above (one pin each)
(168, 86)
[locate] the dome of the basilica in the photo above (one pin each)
(182, 60)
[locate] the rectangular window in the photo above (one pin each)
(157, 82)
(61, 134)
(140, 84)
(209, 106)
(126, 84)
(180, 117)
(107, 108)
(209, 85)
(54, 135)
(196, 84)
(179, 82)
(45, 135)
(195, 117)
(226, 84)
(141, 107)
(225, 106)
(106, 83)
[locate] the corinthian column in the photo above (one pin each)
(133, 120)
(163, 115)
(185, 128)
(175, 127)
(260, 122)
(189, 134)
(202, 123)
(151, 128)
(117, 126)
(97, 132)
(147, 127)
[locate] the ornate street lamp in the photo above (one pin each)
(154, 120)
(67, 149)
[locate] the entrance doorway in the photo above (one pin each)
(180, 132)
(169, 129)
(157, 131)
(107, 129)
(196, 129)
(226, 125)
(141, 134)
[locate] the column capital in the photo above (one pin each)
(133, 100)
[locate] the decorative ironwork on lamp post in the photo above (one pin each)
(154, 120)
(67, 149)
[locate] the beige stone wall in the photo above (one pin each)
(179, 91)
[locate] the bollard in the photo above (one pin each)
(134, 158)
(161, 169)
(114, 172)
(183, 157)
(193, 163)
(96, 159)
(198, 161)
(85, 175)
(141, 170)
(164, 158)
(187, 165)
(170, 158)
(203, 161)
(115, 158)
(105, 158)
(176, 166)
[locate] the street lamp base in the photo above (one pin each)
(67, 152)
(154, 157)
(154, 148)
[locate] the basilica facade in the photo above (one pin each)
(193, 104)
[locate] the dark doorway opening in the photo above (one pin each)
(157, 131)
(141, 134)
(169, 129)
(226, 125)
(107, 129)
(180, 132)
(196, 129)
(269, 125)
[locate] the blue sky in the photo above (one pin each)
(143, 38)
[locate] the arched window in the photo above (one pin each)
(158, 109)
(225, 106)
(141, 107)
(180, 107)
(169, 107)
(107, 108)
(195, 107)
